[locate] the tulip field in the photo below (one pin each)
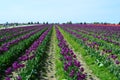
(60, 52)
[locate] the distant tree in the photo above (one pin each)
(38, 22)
(85, 23)
(7, 23)
(102, 23)
(96, 23)
(119, 23)
(105, 23)
(70, 22)
(11, 24)
(46, 22)
(31, 22)
(81, 23)
(28, 22)
(43, 22)
(16, 24)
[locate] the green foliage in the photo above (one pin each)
(59, 65)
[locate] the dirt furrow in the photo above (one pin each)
(50, 62)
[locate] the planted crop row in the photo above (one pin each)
(72, 67)
(5, 47)
(13, 53)
(11, 31)
(25, 65)
(104, 33)
(60, 52)
(106, 60)
(16, 34)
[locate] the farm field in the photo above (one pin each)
(60, 52)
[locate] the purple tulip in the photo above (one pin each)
(8, 71)
(83, 76)
(22, 65)
(15, 65)
(65, 67)
(7, 78)
(82, 69)
(19, 78)
(117, 62)
(113, 56)
(69, 63)
(72, 73)
(74, 56)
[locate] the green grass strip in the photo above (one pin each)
(60, 75)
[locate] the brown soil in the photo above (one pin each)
(50, 68)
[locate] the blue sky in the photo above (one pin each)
(60, 10)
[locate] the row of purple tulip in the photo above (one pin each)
(109, 31)
(99, 36)
(17, 50)
(109, 34)
(96, 46)
(104, 56)
(11, 31)
(6, 46)
(72, 66)
(18, 65)
(15, 34)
